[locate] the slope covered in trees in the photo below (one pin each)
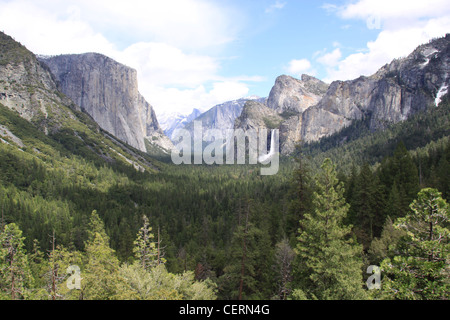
(240, 234)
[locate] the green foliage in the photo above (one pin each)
(55, 181)
(15, 275)
(419, 269)
(247, 274)
(272, 122)
(144, 248)
(329, 261)
(12, 52)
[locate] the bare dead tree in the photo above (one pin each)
(284, 257)
(54, 277)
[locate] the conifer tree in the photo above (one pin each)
(418, 271)
(100, 272)
(329, 262)
(367, 203)
(243, 275)
(145, 249)
(15, 274)
(300, 192)
(400, 177)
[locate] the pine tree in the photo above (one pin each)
(100, 272)
(300, 192)
(329, 262)
(443, 172)
(400, 178)
(145, 249)
(367, 203)
(15, 275)
(244, 276)
(418, 271)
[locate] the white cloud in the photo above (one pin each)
(168, 42)
(182, 23)
(299, 67)
(403, 26)
(46, 32)
(184, 100)
(166, 65)
(394, 10)
(276, 6)
(330, 59)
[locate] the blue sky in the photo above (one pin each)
(199, 53)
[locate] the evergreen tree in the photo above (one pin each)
(15, 274)
(100, 270)
(144, 249)
(246, 276)
(367, 205)
(384, 246)
(300, 192)
(329, 262)
(400, 178)
(443, 173)
(418, 271)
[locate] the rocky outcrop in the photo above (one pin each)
(222, 116)
(311, 109)
(256, 115)
(398, 90)
(108, 92)
(29, 88)
(292, 95)
(172, 121)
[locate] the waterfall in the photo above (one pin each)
(273, 147)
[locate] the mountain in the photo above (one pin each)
(313, 110)
(43, 122)
(170, 122)
(108, 92)
(295, 96)
(222, 116)
(256, 115)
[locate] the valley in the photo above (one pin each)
(87, 179)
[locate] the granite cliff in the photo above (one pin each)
(398, 90)
(28, 87)
(311, 109)
(108, 92)
(29, 90)
(223, 116)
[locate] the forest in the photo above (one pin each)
(196, 232)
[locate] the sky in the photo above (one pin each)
(200, 53)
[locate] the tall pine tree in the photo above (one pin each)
(420, 269)
(100, 272)
(329, 262)
(15, 273)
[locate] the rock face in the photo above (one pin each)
(398, 90)
(256, 115)
(170, 122)
(311, 109)
(28, 87)
(293, 95)
(108, 92)
(222, 116)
